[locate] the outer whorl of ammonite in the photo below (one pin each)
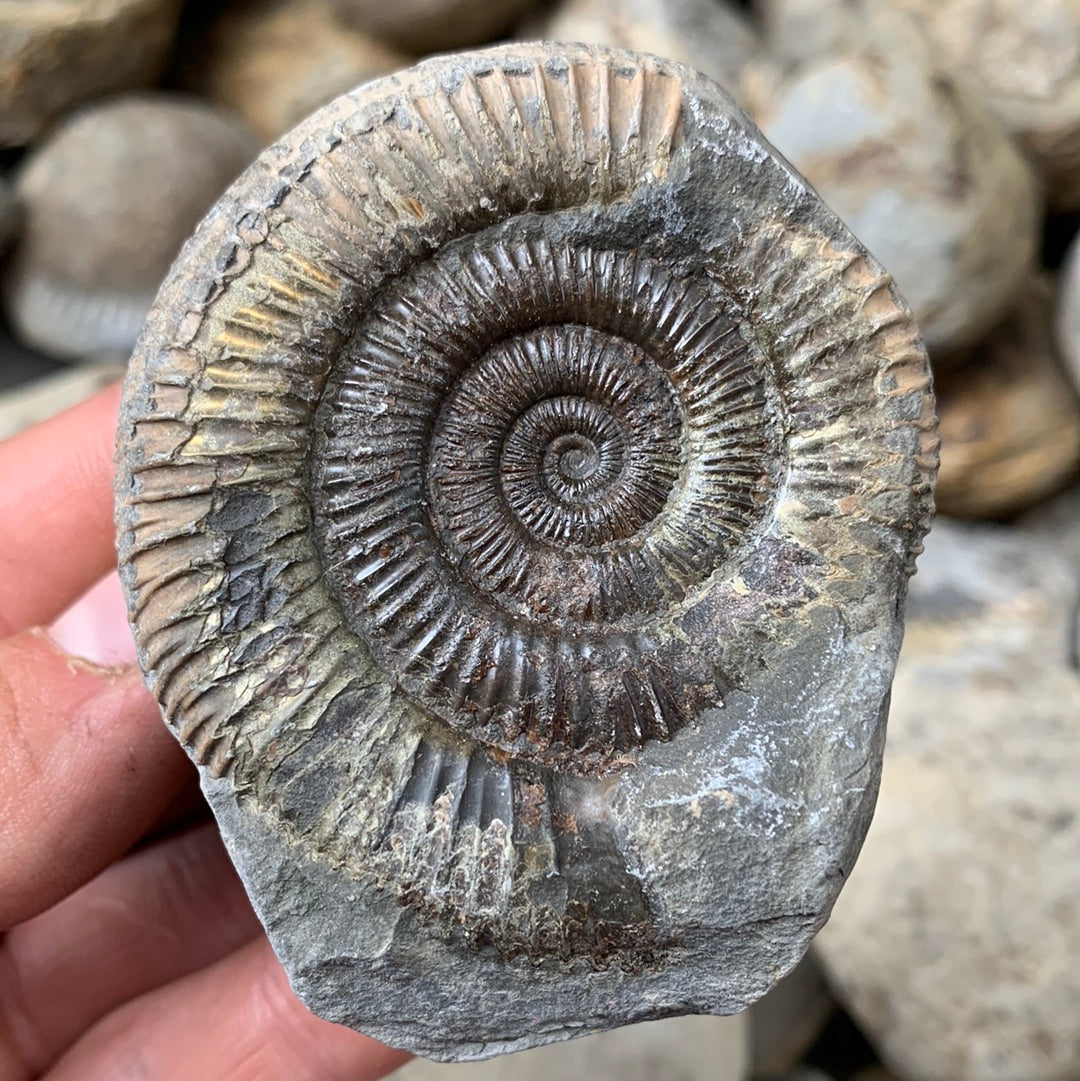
(520, 473)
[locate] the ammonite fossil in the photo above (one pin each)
(520, 473)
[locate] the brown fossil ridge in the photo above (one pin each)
(520, 473)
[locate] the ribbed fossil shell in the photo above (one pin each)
(520, 473)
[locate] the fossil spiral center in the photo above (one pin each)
(584, 448)
(573, 463)
(575, 448)
(532, 455)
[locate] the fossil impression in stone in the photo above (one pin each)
(520, 474)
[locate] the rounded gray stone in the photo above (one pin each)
(956, 944)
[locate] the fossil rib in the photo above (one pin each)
(520, 474)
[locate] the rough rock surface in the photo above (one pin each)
(956, 943)
(520, 474)
(919, 169)
(676, 1049)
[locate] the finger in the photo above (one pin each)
(185, 807)
(56, 527)
(87, 766)
(96, 627)
(162, 913)
(234, 1021)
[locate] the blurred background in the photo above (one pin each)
(946, 133)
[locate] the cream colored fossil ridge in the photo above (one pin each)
(519, 477)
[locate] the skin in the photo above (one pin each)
(127, 947)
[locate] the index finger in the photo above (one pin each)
(56, 524)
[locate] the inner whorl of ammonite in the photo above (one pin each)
(559, 447)
(531, 455)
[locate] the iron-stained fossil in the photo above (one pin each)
(520, 473)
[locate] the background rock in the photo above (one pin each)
(422, 26)
(707, 35)
(1067, 317)
(275, 62)
(109, 198)
(1022, 58)
(956, 943)
(676, 1049)
(923, 174)
(54, 56)
(10, 213)
(788, 1019)
(1009, 416)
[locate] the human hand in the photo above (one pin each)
(127, 946)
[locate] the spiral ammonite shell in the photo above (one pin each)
(520, 473)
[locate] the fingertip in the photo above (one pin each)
(95, 627)
(57, 534)
(88, 767)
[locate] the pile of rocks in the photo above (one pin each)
(947, 135)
